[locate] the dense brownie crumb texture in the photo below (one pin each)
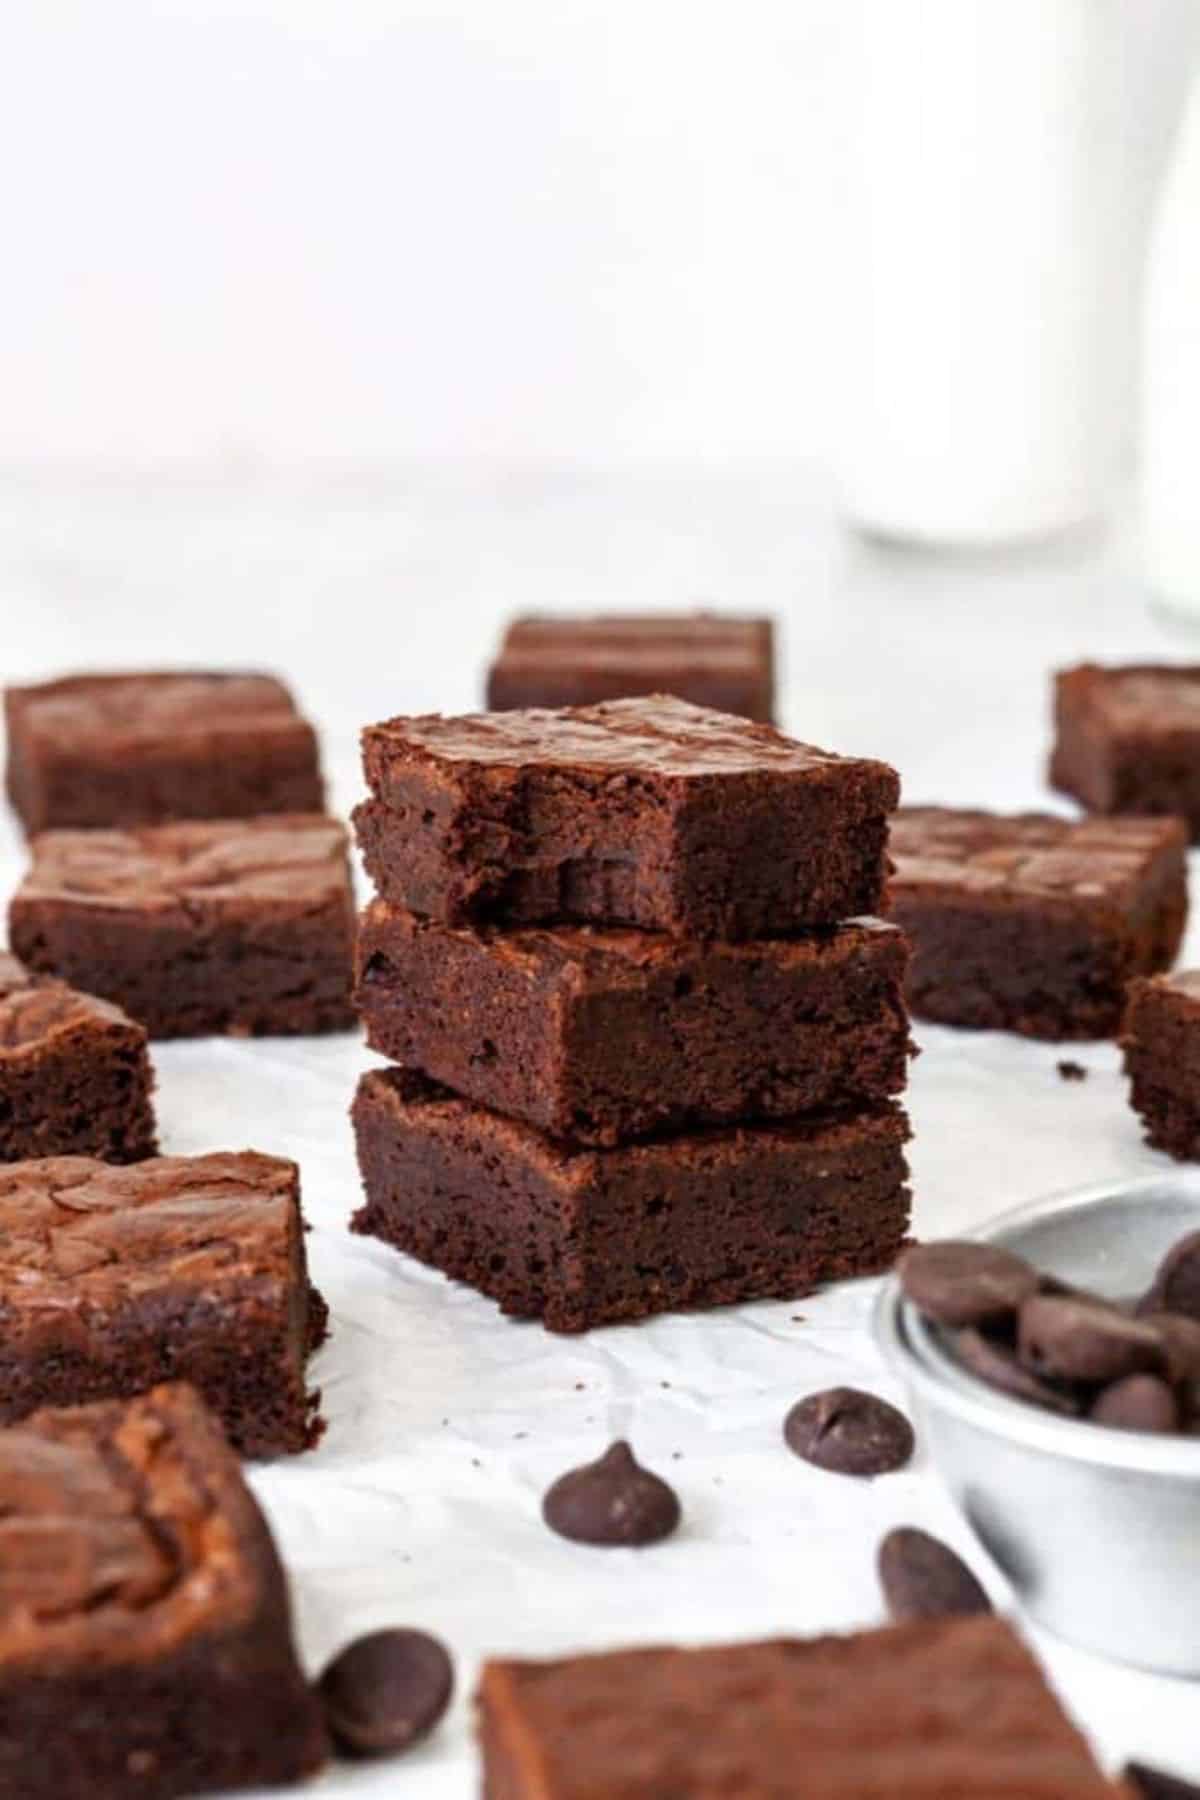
(75, 1074)
(1035, 924)
(678, 1089)
(640, 812)
(722, 662)
(599, 1036)
(145, 1637)
(1161, 1040)
(922, 1711)
(243, 926)
(112, 1279)
(138, 749)
(1128, 739)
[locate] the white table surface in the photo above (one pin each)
(383, 593)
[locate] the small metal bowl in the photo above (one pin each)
(1098, 1530)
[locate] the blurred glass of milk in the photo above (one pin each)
(1171, 384)
(985, 384)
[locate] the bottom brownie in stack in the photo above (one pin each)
(584, 1237)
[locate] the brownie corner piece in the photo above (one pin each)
(580, 1238)
(240, 926)
(143, 747)
(648, 812)
(193, 1267)
(1160, 1039)
(1031, 923)
(892, 1711)
(75, 1073)
(149, 1652)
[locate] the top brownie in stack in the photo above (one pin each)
(135, 749)
(648, 812)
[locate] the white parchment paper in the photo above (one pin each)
(446, 1422)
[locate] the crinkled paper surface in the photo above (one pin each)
(445, 1421)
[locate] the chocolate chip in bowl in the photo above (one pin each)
(1066, 1424)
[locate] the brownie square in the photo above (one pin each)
(580, 1238)
(1035, 924)
(234, 925)
(939, 1710)
(188, 1267)
(146, 1649)
(597, 1036)
(1128, 739)
(136, 749)
(1160, 1036)
(643, 812)
(75, 1075)
(725, 663)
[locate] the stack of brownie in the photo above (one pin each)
(648, 1034)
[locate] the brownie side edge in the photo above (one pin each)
(599, 1037)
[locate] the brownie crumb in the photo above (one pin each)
(1072, 1071)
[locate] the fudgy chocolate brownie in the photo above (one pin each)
(1160, 1036)
(233, 925)
(643, 812)
(145, 1631)
(75, 1075)
(1035, 924)
(723, 662)
(938, 1710)
(1128, 739)
(182, 1266)
(602, 1035)
(588, 1237)
(136, 749)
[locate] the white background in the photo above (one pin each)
(590, 230)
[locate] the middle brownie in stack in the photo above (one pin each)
(645, 1061)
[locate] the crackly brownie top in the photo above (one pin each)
(192, 864)
(915, 1712)
(124, 1527)
(1026, 854)
(653, 736)
(1141, 699)
(664, 640)
(99, 709)
(618, 953)
(79, 1237)
(37, 1008)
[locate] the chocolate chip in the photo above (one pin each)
(960, 1283)
(1138, 1403)
(1181, 1343)
(1176, 1287)
(383, 1692)
(612, 1501)
(998, 1365)
(1152, 1784)
(922, 1578)
(849, 1432)
(1085, 1340)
